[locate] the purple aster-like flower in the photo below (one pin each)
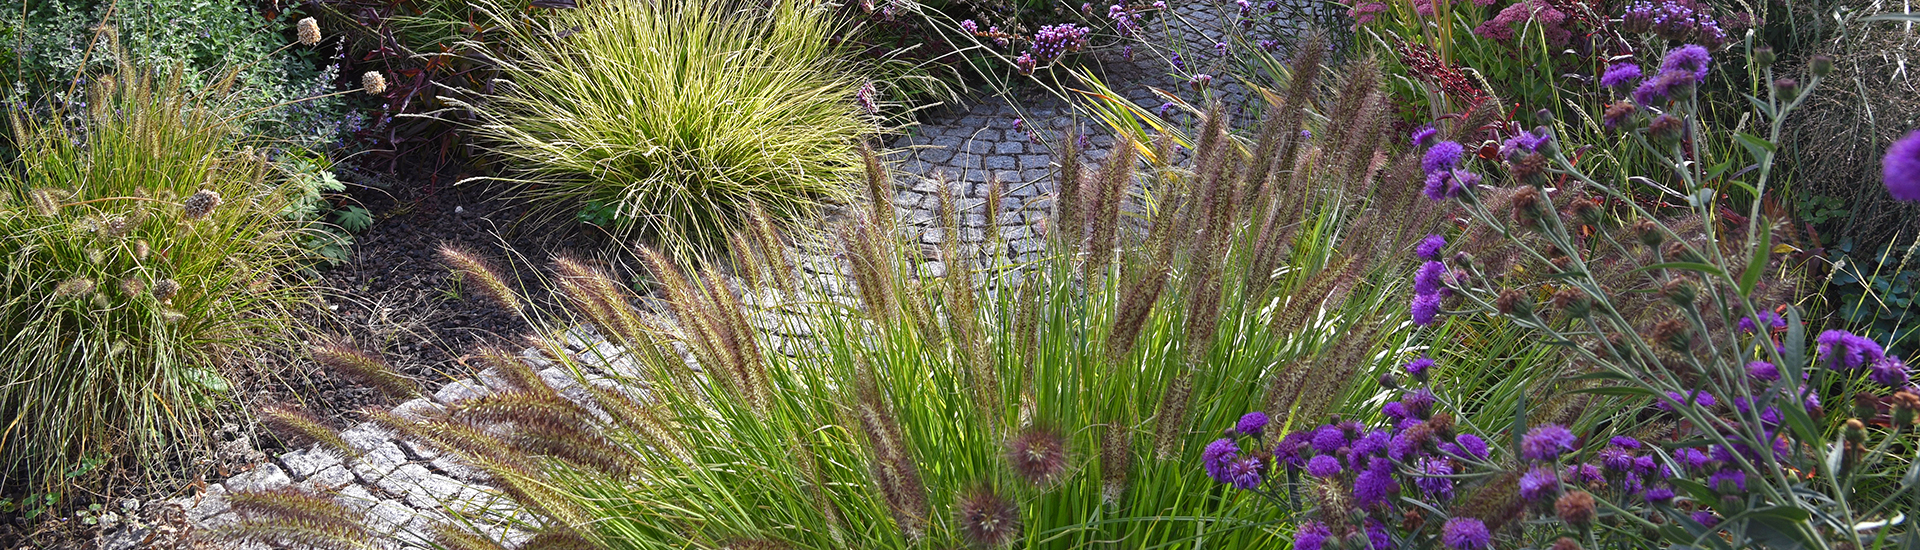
(1419, 402)
(1651, 92)
(1375, 485)
(1373, 443)
(1547, 442)
(1763, 371)
(1292, 450)
(1842, 348)
(1700, 398)
(1768, 318)
(1616, 459)
(1538, 483)
(1624, 442)
(1433, 477)
(1430, 247)
(1692, 459)
(1251, 423)
(1706, 517)
(1409, 442)
(1659, 495)
(1442, 157)
(1690, 59)
(1323, 466)
(1621, 76)
(1429, 278)
(1425, 309)
(1418, 367)
(1377, 535)
(1424, 135)
(1473, 445)
(1395, 410)
(1217, 456)
(1647, 465)
(1311, 535)
(1583, 473)
(1246, 472)
(1888, 371)
(1329, 438)
(1901, 167)
(1464, 533)
(1728, 481)
(1164, 109)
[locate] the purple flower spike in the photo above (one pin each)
(1901, 168)
(1690, 59)
(1621, 76)
(1430, 247)
(1464, 533)
(1443, 156)
(1251, 423)
(1547, 442)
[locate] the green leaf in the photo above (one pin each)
(1760, 104)
(1718, 169)
(1519, 419)
(1800, 422)
(1781, 526)
(1690, 266)
(1760, 148)
(1796, 355)
(1617, 390)
(1758, 264)
(1908, 17)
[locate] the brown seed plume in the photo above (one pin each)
(1116, 456)
(1114, 179)
(480, 271)
(986, 519)
(1068, 226)
(879, 190)
(300, 428)
(455, 537)
(893, 468)
(1171, 417)
(1038, 455)
(366, 368)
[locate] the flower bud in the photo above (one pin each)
(1763, 57)
(1674, 334)
(1822, 65)
(1526, 208)
(1786, 88)
(1514, 302)
(1586, 211)
(1543, 116)
(1649, 233)
(1904, 405)
(1576, 508)
(1619, 115)
(1865, 405)
(1666, 129)
(1680, 291)
(1856, 431)
(1680, 252)
(1442, 424)
(1389, 381)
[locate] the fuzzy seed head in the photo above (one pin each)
(309, 31)
(200, 204)
(45, 201)
(373, 82)
(76, 286)
(987, 520)
(1038, 455)
(132, 286)
(1575, 507)
(165, 289)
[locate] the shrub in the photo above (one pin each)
(144, 254)
(668, 118)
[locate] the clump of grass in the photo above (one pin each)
(143, 259)
(669, 118)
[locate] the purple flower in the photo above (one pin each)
(1407, 444)
(1377, 535)
(1538, 482)
(1524, 143)
(1450, 184)
(1888, 372)
(1433, 479)
(1706, 517)
(1443, 156)
(1584, 473)
(1690, 60)
(1220, 48)
(1624, 442)
(1323, 466)
(1616, 459)
(1375, 485)
(1692, 458)
(1251, 423)
(1430, 247)
(1728, 481)
(1700, 398)
(970, 26)
(1217, 456)
(1464, 533)
(1425, 308)
(1763, 371)
(1427, 280)
(1329, 438)
(1292, 450)
(1311, 536)
(1395, 410)
(1770, 319)
(1659, 495)
(1547, 442)
(1373, 443)
(1647, 465)
(1473, 445)
(1418, 367)
(1423, 135)
(1164, 108)
(1620, 76)
(1419, 403)
(1901, 167)
(1245, 473)
(1848, 349)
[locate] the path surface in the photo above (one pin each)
(405, 489)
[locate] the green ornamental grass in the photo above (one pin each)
(142, 253)
(667, 118)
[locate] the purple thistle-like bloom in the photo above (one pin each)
(1624, 442)
(1706, 517)
(1251, 423)
(1311, 535)
(1292, 450)
(1888, 372)
(1731, 478)
(1547, 442)
(1538, 482)
(1763, 371)
(1449, 184)
(1647, 465)
(1659, 495)
(1464, 533)
(1768, 318)
(1425, 309)
(1691, 60)
(1616, 459)
(1418, 367)
(1443, 156)
(1217, 457)
(1901, 167)
(1164, 108)
(1700, 398)
(1329, 438)
(1405, 445)
(1424, 135)
(1245, 473)
(1419, 402)
(1584, 473)
(1375, 485)
(1848, 349)
(1395, 410)
(1433, 479)
(1373, 443)
(1430, 247)
(1621, 76)
(1652, 91)
(1323, 466)
(1377, 535)
(1523, 142)
(1692, 458)
(1429, 279)
(1473, 445)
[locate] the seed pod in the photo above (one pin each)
(1822, 65)
(1514, 302)
(1763, 57)
(309, 31)
(373, 82)
(165, 289)
(200, 204)
(1786, 88)
(1681, 291)
(1856, 431)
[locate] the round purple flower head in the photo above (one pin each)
(1690, 59)
(1329, 438)
(1650, 92)
(1217, 457)
(1472, 444)
(1292, 450)
(1424, 135)
(1538, 482)
(1901, 167)
(1547, 442)
(1312, 535)
(1624, 442)
(1463, 533)
(1430, 247)
(1842, 348)
(1433, 477)
(1728, 481)
(1251, 423)
(1763, 371)
(1427, 279)
(1888, 372)
(1705, 517)
(1418, 367)
(1419, 403)
(1700, 398)
(1425, 308)
(1442, 157)
(1620, 76)
(1659, 495)
(1245, 473)
(1376, 485)
(1323, 466)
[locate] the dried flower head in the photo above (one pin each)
(1573, 302)
(1564, 543)
(45, 201)
(308, 30)
(76, 286)
(164, 289)
(1619, 113)
(1038, 455)
(987, 520)
(1648, 233)
(133, 285)
(1575, 507)
(373, 82)
(1680, 290)
(1674, 334)
(200, 204)
(1515, 302)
